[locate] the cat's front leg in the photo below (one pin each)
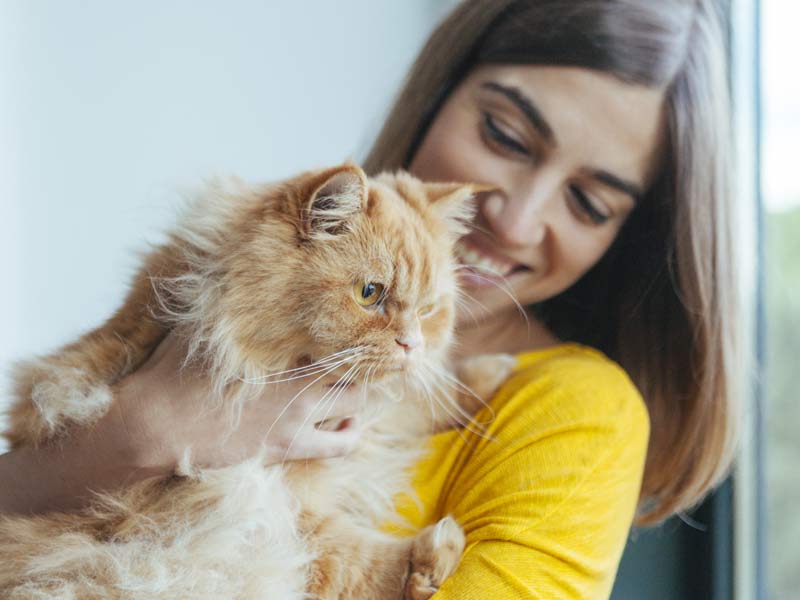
(435, 554)
(72, 386)
(355, 563)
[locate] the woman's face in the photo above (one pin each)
(570, 152)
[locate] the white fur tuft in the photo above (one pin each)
(65, 394)
(242, 543)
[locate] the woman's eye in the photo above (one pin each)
(586, 206)
(367, 293)
(496, 134)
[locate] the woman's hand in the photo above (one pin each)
(160, 413)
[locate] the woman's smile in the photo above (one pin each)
(568, 153)
(485, 264)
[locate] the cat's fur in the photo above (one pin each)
(258, 280)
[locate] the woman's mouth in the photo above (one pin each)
(485, 267)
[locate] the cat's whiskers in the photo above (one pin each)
(462, 387)
(349, 379)
(367, 375)
(341, 386)
(459, 415)
(334, 389)
(297, 395)
(488, 232)
(462, 293)
(304, 375)
(422, 386)
(460, 303)
(506, 290)
(315, 365)
(431, 397)
(439, 378)
(428, 396)
(463, 418)
(480, 304)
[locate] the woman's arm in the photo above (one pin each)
(159, 414)
(37, 480)
(546, 499)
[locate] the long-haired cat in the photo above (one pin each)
(326, 275)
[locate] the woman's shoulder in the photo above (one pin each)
(557, 464)
(568, 424)
(567, 433)
(570, 384)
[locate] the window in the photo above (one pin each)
(781, 193)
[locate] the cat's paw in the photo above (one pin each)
(485, 373)
(434, 556)
(50, 397)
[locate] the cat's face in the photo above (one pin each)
(368, 274)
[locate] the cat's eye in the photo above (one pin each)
(426, 310)
(367, 293)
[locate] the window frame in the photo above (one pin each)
(746, 504)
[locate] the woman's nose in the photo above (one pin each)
(517, 219)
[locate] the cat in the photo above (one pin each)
(327, 274)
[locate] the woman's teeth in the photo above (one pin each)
(475, 259)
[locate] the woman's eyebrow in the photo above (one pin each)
(527, 106)
(611, 180)
(537, 120)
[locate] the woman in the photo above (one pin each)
(603, 126)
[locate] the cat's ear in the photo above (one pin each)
(333, 198)
(455, 203)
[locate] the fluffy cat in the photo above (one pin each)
(328, 274)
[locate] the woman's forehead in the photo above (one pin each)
(593, 119)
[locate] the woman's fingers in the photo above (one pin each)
(302, 418)
(319, 443)
(319, 401)
(349, 404)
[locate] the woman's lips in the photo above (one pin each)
(483, 267)
(485, 262)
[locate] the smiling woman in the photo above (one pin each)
(604, 127)
(568, 163)
(601, 255)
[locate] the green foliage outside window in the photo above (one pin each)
(782, 407)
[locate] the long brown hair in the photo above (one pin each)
(662, 300)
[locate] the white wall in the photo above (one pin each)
(108, 109)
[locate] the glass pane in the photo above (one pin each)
(781, 186)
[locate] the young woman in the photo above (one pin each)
(604, 127)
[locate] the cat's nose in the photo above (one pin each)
(408, 342)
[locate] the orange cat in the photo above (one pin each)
(330, 275)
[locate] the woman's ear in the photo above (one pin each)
(331, 199)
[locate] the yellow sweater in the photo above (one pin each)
(547, 503)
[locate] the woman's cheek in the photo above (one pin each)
(573, 253)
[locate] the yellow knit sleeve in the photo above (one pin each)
(547, 496)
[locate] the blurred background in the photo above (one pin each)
(780, 113)
(110, 110)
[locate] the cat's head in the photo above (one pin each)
(364, 271)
